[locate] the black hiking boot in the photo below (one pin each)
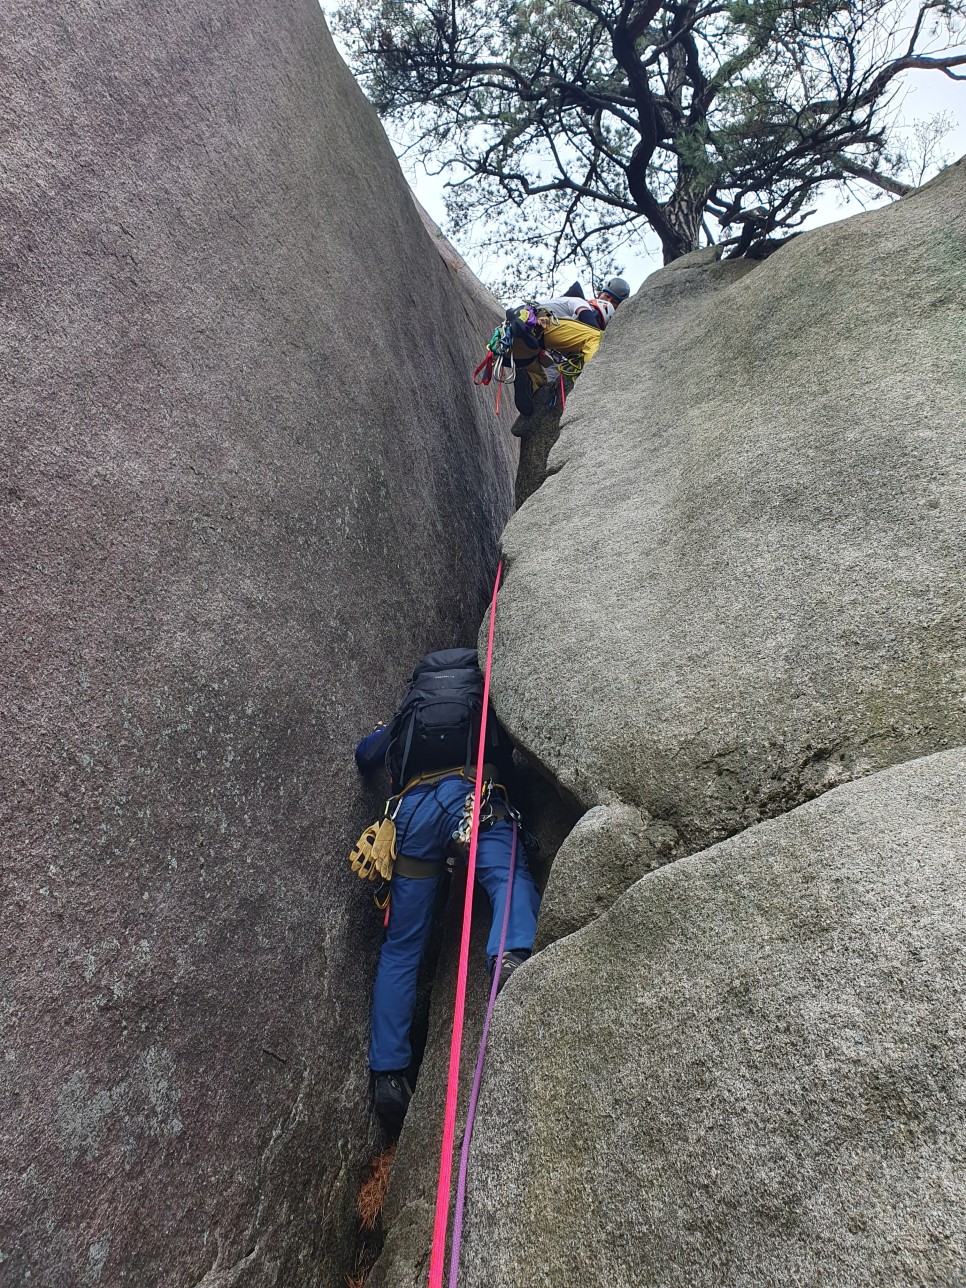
(522, 395)
(509, 962)
(391, 1096)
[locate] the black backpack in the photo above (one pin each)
(437, 724)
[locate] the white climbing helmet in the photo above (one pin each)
(604, 310)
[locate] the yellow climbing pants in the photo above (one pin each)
(566, 336)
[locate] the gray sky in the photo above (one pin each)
(922, 95)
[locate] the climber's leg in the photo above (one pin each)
(493, 873)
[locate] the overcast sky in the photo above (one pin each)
(923, 95)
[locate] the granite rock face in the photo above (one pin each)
(750, 1070)
(610, 848)
(743, 582)
(740, 588)
(238, 505)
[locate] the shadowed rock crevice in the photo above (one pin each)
(538, 434)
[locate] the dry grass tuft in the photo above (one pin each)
(372, 1194)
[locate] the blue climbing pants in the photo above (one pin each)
(427, 817)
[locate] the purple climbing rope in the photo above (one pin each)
(454, 1256)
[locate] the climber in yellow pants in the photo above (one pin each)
(577, 341)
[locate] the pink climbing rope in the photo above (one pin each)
(454, 1256)
(438, 1255)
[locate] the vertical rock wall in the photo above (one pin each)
(735, 610)
(246, 482)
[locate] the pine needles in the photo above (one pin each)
(369, 1203)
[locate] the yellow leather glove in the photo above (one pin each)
(375, 851)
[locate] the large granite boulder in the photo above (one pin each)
(743, 582)
(610, 848)
(247, 482)
(751, 1070)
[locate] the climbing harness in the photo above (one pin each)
(375, 853)
(493, 805)
(456, 1042)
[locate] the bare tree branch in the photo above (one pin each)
(882, 181)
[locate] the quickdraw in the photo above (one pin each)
(559, 392)
(484, 372)
(494, 806)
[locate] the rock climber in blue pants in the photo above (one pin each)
(438, 721)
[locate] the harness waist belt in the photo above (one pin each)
(436, 776)
(417, 868)
(454, 771)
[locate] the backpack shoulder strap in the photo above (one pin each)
(406, 749)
